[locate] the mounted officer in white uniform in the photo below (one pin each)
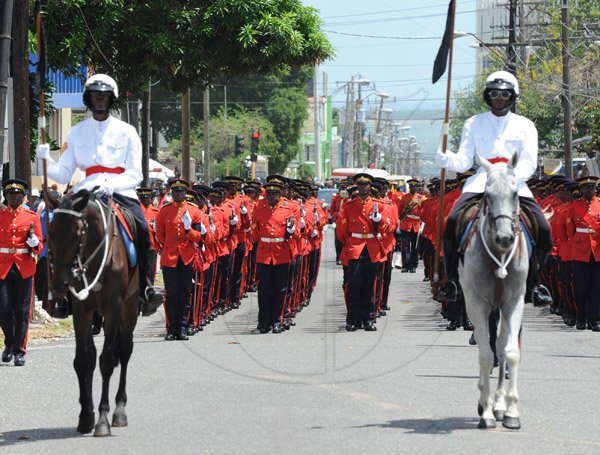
(109, 151)
(496, 135)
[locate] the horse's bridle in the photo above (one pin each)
(503, 262)
(79, 267)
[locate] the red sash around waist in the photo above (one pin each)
(498, 160)
(99, 169)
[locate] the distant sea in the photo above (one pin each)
(427, 134)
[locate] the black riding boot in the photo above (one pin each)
(450, 292)
(536, 293)
(150, 297)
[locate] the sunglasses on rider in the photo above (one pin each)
(504, 94)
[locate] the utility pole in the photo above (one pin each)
(5, 30)
(146, 133)
(186, 107)
(206, 111)
(347, 145)
(522, 35)
(566, 98)
(20, 74)
(512, 37)
(317, 132)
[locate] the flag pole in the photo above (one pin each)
(42, 137)
(445, 129)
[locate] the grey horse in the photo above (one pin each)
(493, 275)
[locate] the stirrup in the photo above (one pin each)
(540, 295)
(448, 295)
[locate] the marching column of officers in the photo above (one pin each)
(220, 242)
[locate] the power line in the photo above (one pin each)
(386, 37)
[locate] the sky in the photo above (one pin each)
(400, 67)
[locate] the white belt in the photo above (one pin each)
(272, 239)
(414, 217)
(585, 230)
(362, 236)
(14, 250)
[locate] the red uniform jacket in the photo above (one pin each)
(275, 246)
(171, 234)
(334, 208)
(14, 231)
(583, 230)
(412, 220)
(356, 230)
(389, 240)
(151, 213)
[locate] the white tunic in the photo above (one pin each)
(111, 143)
(496, 137)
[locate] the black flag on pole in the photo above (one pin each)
(441, 59)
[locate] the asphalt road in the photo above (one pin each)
(410, 387)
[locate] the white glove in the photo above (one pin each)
(212, 228)
(32, 241)
(302, 223)
(398, 230)
(43, 151)
(203, 230)
(187, 220)
(106, 188)
(291, 230)
(376, 217)
(316, 214)
(243, 210)
(442, 160)
(314, 233)
(233, 221)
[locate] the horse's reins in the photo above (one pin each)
(79, 270)
(504, 260)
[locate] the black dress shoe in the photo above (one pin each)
(595, 327)
(169, 337)
(7, 355)
(404, 270)
(369, 326)
(351, 327)
(277, 328)
(182, 337)
(452, 326)
(413, 270)
(581, 326)
(19, 360)
(425, 279)
(263, 328)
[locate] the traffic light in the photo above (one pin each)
(239, 145)
(255, 140)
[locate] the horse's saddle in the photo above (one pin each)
(465, 226)
(127, 227)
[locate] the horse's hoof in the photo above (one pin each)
(102, 429)
(479, 409)
(485, 424)
(512, 423)
(86, 423)
(499, 415)
(119, 420)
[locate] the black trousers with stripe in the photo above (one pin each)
(16, 294)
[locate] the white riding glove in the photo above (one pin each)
(442, 160)
(187, 220)
(234, 220)
(43, 151)
(302, 223)
(314, 233)
(32, 241)
(290, 230)
(203, 230)
(105, 188)
(243, 209)
(376, 217)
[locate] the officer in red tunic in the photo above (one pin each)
(274, 228)
(583, 230)
(360, 227)
(178, 228)
(146, 195)
(20, 243)
(410, 222)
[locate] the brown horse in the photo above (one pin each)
(90, 261)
